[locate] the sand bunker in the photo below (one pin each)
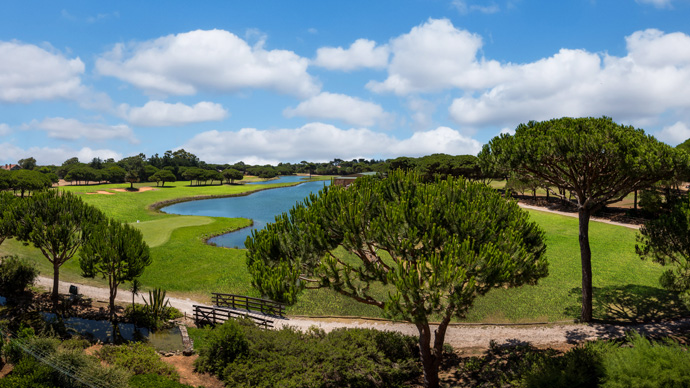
(101, 192)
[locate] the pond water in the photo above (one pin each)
(282, 179)
(262, 207)
(102, 330)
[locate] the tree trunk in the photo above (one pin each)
(56, 283)
(586, 259)
(635, 202)
(431, 357)
(113, 295)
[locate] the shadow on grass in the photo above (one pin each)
(630, 303)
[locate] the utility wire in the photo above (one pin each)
(62, 367)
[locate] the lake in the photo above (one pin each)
(262, 207)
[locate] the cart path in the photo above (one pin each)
(570, 214)
(458, 335)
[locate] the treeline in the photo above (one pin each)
(182, 165)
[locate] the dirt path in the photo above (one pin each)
(569, 214)
(460, 336)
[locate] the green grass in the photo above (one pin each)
(157, 232)
(626, 288)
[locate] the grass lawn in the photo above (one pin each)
(626, 288)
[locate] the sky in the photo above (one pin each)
(284, 81)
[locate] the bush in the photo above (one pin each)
(579, 367)
(137, 358)
(245, 356)
(139, 315)
(30, 373)
(16, 275)
(646, 364)
(154, 381)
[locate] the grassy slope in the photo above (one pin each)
(625, 286)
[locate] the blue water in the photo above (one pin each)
(262, 207)
(282, 179)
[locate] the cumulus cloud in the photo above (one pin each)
(648, 82)
(214, 60)
(48, 155)
(437, 56)
(29, 73)
(674, 134)
(348, 109)
(323, 142)
(72, 129)
(159, 113)
(363, 53)
(4, 129)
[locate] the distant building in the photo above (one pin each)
(346, 180)
(10, 167)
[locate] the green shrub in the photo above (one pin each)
(245, 356)
(223, 345)
(16, 275)
(140, 315)
(580, 367)
(154, 381)
(137, 358)
(75, 344)
(646, 364)
(28, 372)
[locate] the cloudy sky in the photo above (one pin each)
(270, 81)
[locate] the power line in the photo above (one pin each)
(62, 367)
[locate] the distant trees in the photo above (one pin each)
(597, 160)
(434, 247)
(163, 176)
(27, 164)
(28, 181)
(116, 252)
(231, 175)
(55, 222)
(7, 200)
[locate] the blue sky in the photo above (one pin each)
(271, 81)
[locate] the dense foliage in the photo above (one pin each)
(138, 359)
(245, 356)
(435, 247)
(16, 275)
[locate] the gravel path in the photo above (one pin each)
(458, 335)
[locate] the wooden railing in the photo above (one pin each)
(264, 306)
(204, 315)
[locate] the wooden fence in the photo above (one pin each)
(204, 315)
(264, 306)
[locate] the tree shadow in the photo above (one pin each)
(630, 303)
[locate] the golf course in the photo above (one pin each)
(625, 287)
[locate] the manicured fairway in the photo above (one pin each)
(626, 288)
(157, 232)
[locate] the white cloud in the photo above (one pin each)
(674, 134)
(71, 129)
(651, 80)
(29, 73)
(214, 60)
(159, 113)
(340, 107)
(4, 129)
(323, 142)
(657, 3)
(362, 53)
(437, 56)
(464, 8)
(48, 155)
